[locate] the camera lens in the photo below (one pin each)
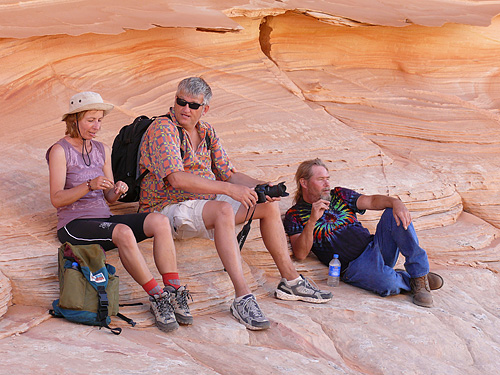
(274, 191)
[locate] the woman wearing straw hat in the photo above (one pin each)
(82, 185)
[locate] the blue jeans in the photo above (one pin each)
(373, 269)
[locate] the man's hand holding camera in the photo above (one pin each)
(269, 192)
(243, 194)
(249, 191)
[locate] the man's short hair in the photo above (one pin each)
(305, 171)
(195, 86)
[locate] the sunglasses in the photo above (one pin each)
(191, 105)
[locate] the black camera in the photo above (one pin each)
(278, 190)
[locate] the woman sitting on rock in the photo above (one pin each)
(82, 185)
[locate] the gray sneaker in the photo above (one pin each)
(303, 291)
(180, 304)
(163, 311)
(248, 312)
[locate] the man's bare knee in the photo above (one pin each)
(268, 210)
(216, 213)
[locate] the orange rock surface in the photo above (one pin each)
(398, 99)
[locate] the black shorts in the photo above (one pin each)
(100, 231)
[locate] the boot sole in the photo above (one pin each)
(279, 294)
(183, 320)
(169, 327)
(439, 282)
(423, 304)
(248, 325)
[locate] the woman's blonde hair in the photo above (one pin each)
(70, 121)
(305, 171)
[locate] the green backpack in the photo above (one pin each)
(88, 287)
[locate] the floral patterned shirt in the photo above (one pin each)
(161, 155)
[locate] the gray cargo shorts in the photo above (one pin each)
(186, 217)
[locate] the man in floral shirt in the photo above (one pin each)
(195, 185)
(324, 221)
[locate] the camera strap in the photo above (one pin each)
(242, 236)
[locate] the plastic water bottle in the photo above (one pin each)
(334, 271)
(74, 265)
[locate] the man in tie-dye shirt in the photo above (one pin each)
(195, 185)
(324, 221)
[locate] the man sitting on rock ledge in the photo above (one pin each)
(324, 221)
(203, 196)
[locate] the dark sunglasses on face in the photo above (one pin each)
(191, 105)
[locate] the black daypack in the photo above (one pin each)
(125, 155)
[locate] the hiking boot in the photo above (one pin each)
(303, 291)
(180, 304)
(248, 312)
(435, 280)
(163, 311)
(421, 291)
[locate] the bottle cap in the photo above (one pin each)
(74, 264)
(335, 256)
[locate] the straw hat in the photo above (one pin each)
(86, 101)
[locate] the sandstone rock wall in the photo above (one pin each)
(396, 99)
(384, 85)
(5, 296)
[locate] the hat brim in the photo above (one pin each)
(91, 107)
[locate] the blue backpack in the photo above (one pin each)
(88, 287)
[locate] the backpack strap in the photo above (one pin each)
(115, 331)
(125, 318)
(102, 310)
(128, 320)
(102, 307)
(181, 138)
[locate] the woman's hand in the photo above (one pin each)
(101, 183)
(121, 188)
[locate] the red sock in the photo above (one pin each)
(172, 279)
(152, 287)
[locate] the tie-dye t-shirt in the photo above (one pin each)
(338, 231)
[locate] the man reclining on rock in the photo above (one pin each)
(324, 221)
(203, 196)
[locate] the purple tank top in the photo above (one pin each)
(93, 204)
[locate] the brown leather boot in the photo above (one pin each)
(435, 281)
(421, 291)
